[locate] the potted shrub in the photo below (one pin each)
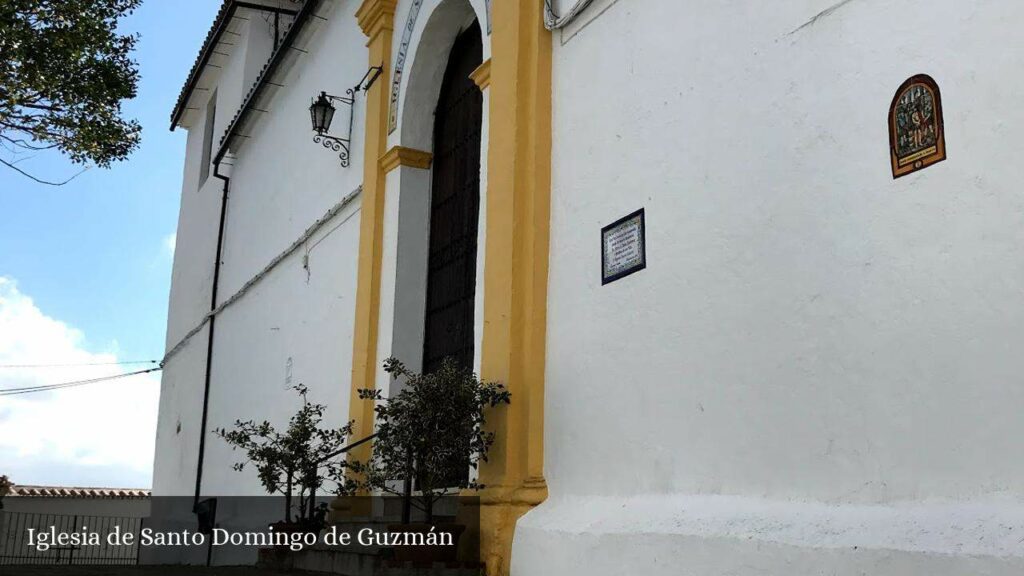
(295, 463)
(431, 432)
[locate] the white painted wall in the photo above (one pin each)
(815, 373)
(406, 247)
(807, 328)
(281, 184)
(181, 388)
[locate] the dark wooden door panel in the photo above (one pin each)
(455, 209)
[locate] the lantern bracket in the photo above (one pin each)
(369, 78)
(337, 143)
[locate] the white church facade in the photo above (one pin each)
(752, 271)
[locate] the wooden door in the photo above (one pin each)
(455, 208)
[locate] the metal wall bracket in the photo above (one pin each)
(370, 77)
(337, 143)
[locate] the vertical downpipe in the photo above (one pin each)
(213, 320)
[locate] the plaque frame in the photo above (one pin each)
(643, 248)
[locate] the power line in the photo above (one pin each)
(47, 387)
(309, 233)
(77, 365)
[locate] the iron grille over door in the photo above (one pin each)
(455, 208)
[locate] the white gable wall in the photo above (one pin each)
(281, 184)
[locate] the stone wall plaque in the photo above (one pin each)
(623, 247)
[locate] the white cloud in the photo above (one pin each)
(86, 435)
(170, 241)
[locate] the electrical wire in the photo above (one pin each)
(301, 241)
(78, 365)
(48, 387)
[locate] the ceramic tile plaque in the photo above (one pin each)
(916, 137)
(623, 247)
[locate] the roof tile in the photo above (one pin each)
(77, 492)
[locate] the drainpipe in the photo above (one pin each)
(300, 18)
(213, 321)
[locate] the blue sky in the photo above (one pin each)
(94, 254)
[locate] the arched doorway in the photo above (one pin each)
(454, 209)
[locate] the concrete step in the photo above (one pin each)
(395, 568)
(349, 562)
(357, 560)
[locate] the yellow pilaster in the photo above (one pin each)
(518, 83)
(376, 18)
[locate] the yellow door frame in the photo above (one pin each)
(517, 81)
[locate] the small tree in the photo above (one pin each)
(433, 430)
(299, 459)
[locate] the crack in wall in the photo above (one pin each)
(823, 14)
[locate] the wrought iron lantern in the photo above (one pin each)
(321, 113)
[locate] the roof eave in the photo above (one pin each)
(220, 24)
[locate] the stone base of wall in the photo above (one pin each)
(736, 536)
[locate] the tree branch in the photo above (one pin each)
(21, 143)
(41, 181)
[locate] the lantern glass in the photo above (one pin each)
(321, 112)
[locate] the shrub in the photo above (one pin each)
(433, 430)
(296, 460)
